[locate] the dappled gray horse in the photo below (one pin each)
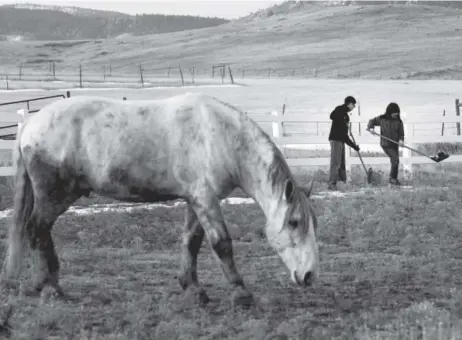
(192, 147)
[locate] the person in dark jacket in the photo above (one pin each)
(391, 126)
(338, 137)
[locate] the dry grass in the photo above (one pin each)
(391, 268)
(430, 149)
(379, 42)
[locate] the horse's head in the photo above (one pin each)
(291, 232)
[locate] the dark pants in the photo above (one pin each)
(337, 163)
(393, 153)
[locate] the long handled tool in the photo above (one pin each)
(369, 172)
(441, 156)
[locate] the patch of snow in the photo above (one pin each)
(131, 207)
(22, 90)
(87, 89)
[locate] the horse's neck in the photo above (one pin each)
(266, 197)
(257, 183)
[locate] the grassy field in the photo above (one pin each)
(391, 264)
(391, 268)
(381, 42)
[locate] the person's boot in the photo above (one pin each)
(394, 182)
(332, 187)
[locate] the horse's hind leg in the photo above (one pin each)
(193, 235)
(45, 259)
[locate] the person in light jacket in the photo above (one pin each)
(338, 137)
(391, 126)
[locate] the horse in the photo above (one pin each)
(190, 147)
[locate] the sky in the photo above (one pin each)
(228, 9)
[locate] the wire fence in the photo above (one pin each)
(141, 75)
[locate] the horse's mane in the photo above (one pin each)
(279, 172)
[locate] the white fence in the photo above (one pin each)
(362, 137)
(311, 122)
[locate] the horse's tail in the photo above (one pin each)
(23, 206)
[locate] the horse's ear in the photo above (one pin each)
(309, 190)
(289, 191)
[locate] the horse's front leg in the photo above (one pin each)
(210, 217)
(193, 235)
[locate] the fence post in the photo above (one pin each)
(231, 74)
(442, 124)
(80, 75)
(7, 84)
(23, 114)
(347, 151)
(407, 154)
(192, 71)
(141, 75)
(458, 114)
(278, 131)
(68, 94)
(181, 74)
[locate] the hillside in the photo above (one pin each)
(380, 41)
(288, 7)
(38, 22)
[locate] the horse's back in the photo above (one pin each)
(167, 144)
(171, 108)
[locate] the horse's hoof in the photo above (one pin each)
(197, 295)
(242, 297)
(45, 290)
(9, 285)
(58, 292)
(52, 293)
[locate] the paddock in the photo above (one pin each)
(390, 268)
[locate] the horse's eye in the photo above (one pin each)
(293, 223)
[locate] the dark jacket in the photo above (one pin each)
(390, 127)
(340, 125)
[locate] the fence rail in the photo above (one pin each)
(278, 120)
(286, 116)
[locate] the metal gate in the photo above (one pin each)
(27, 101)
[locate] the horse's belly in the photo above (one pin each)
(135, 185)
(135, 193)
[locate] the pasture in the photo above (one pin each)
(391, 259)
(390, 42)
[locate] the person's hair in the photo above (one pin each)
(392, 108)
(350, 100)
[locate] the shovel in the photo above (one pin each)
(441, 156)
(370, 174)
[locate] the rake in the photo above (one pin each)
(441, 156)
(372, 176)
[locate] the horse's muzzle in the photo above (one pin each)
(306, 281)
